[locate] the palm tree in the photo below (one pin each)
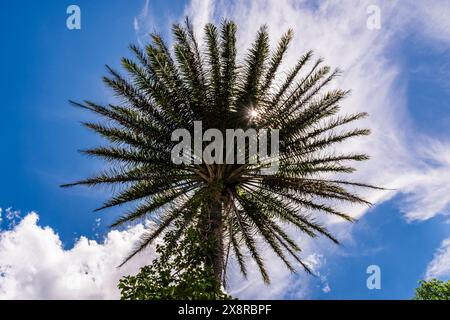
(235, 206)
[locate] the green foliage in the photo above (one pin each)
(178, 274)
(433, 289)
(168, 89)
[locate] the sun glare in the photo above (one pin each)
(253, 114)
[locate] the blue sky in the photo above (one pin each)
(44, 65)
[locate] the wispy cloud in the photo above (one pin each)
(427, 189)
(431, 19)
(201, 12)
(143, 23)
(439, 267)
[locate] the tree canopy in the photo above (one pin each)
(433, 289)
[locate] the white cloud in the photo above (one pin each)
(432, 18)
(143, 23)
(427, 189)
(202, 12)
(34, 264)
(136, 25)
(439, 267)
(141, 17)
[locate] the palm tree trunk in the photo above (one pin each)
(214, 235)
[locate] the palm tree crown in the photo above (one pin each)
(234, 205)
